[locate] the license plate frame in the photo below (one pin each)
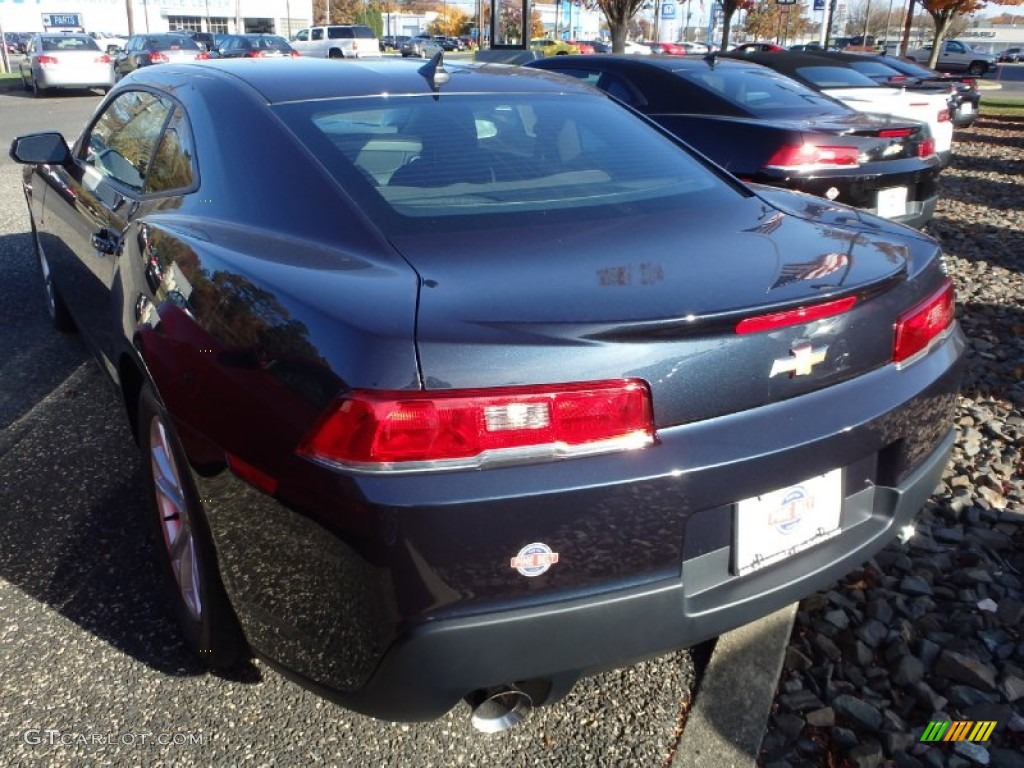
(891, 202)
(776, 525)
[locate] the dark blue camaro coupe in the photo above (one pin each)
(466, 382)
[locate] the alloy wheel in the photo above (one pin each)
(175, 519)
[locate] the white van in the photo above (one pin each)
(337, 41)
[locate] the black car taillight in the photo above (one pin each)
(794, 157)
(400, 431)
(924, 325)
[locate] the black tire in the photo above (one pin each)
(36, 90)
(977, 68)
(184, 550)
(55, 306)
(335, 54)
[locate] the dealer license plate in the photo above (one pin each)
(966, 108)
(892, 202)
(777, 525)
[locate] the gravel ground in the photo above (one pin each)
(932, 629)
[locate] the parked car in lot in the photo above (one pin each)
(1010, 55)
(549, 47)
(842, 81)
(758, 48)
(421, 422)
(64, 60)
(581, 46)
(337, 41)
(956, 56)
(392, 42)
(421, 46)
(961, 91)
(668, 48)
(769, 129)
(108, 41)
(255, 46)
(147, 50)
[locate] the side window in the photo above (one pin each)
(955, 47)
(173, 164)
(121, 142)
(318, 33)
(621, 90)
(302, 35)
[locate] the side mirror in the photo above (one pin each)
(36, 148)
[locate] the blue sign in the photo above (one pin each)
(819, 5)
(668, 10)
(62, 20)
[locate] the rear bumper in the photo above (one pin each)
(433, 666)
(860, 190)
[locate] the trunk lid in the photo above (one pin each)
(656, 297)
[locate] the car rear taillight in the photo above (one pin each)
(798, 316)
(104, 59)
(44, 60)
(155, 57)
(926, 148)
(255, 55)
(805, 156)
(894, 133)
(202, 55)
(295, 54)
(923, 325)
(971, 82)
(408, 431)
(944, 116)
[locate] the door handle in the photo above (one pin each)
(104, 242)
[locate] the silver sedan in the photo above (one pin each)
(65, 61)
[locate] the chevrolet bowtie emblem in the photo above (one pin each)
(804, 358)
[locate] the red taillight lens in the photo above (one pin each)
(943, 115)
(970, 81)
(396, 431)
(919, 327)
(202, 55)
(104, 59)
(43, 60)
(926, 148)
(255, 55)
(155, 57)
(894, 133)
(803, 156)
(795, 316)
(295, 54)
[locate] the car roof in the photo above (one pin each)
(279, 81)
(787, 62)
(654, 61)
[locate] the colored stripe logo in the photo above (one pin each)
(960, 730)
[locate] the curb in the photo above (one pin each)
(732, 705)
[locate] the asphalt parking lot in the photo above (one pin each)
(92, 667)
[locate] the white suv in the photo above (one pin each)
(337, 41)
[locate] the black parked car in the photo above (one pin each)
(964, 97)
(424, 419)
(253, 46)
(149, 49)
(767, 128)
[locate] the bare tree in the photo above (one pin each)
(619, 13)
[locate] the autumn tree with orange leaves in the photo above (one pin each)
(943, 12)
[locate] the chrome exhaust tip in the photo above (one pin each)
(498, 709)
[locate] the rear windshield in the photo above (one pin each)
(836, 77)
(874, 69)
(410, 160)
(68, 43)
(762, 93)
(337, 33)
(268, 42)
(171, 43)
